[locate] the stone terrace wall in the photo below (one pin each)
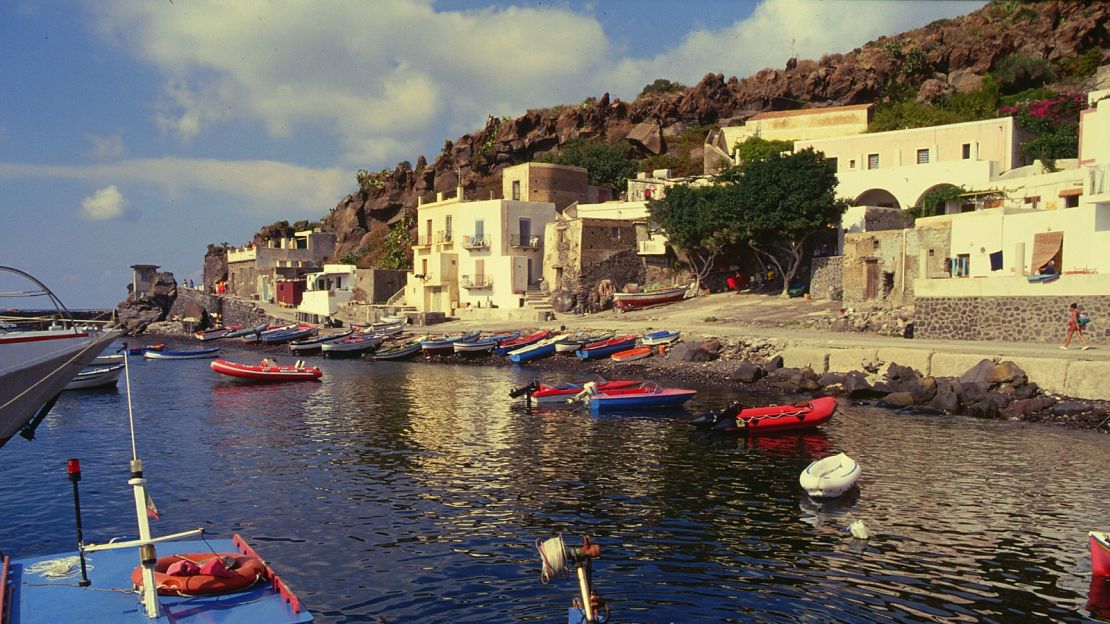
(826, 280)
(1009, 319)
(231, 311)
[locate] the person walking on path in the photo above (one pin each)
(1075, 328)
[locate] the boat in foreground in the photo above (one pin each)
(830, 476)
(543, 394)
(649, 396)
(1100, 553)
(266, 371)
(631, 301)
(182, 355)
(769, 419)
(96, 377)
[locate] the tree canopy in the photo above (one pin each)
(699, 221)
(608, 164)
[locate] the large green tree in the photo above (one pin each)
(607, 164)
(784, 199)
(699, 222)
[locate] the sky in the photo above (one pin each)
(140, 131)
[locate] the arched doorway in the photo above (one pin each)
(878, 197)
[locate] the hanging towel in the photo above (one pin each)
(996, 261)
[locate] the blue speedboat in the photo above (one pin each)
(534, 351)
(605, 348)
(648, 397)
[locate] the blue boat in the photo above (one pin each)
(182, 355)
(605, 348)
(295, 333)
(660, 337)
(246, 331)
(522, 341)
(648, 397)
(446, 344)
(534, 351)
(482, 346)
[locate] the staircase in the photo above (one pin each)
(540, 302)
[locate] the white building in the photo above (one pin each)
(326, 291)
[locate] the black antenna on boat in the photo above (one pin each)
(73, 467)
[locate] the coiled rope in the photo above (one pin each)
(553, 554)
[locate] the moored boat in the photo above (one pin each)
(140, 350)
(108, 360)
(769, 419)
(298, 332)
(401, 351)
(266, 371)
(247, 331)
(533, 351)
(309, 346)
(830, 477)
(354, 345)
(631, 301)
(269, 330)
(660, 337)
(568, 344)
(482, 345)
(605, 348)
(544, 394)
(635, 353)
(182, 355)
(1100, 553)
(446, 343)
(523, 341)
(215, 333)
(96, 377)
(649, 396)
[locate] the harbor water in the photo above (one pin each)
(415, 492)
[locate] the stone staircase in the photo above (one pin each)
(539, 301)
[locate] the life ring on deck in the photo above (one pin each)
(245, 573)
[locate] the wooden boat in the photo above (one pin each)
(446, 344)
(631, 301)
(401, 351)
(830, 477)
(635, 353)
(247, 331)
(354, 345)
(605, 348)
(559, 394)
(142, 349)
(523, 341)
(660, 337)
(769, 419)
(266, 371)
(298, 332)
(1100, 553)
(96, 377)
(270, 330)
(483, 346)
(533, 351)
(182, 355)
(567, 345)
(215, 333)
(649, 396)
(310, 346)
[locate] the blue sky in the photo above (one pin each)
(138, 132)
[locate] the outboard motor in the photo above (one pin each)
(722, 419)
(523, 390)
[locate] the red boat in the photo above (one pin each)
(1100, 553)
(769, 419)
(523, 341)
(559, 394)
(267, 371)
(631, 301)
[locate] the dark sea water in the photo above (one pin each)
(413, 492)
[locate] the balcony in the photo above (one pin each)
(444, 238)
(518, 241)
(475, 242)
(423, 241)
(476, 281)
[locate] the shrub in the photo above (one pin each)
(1018, 71)
(607, 164)
(662, 85)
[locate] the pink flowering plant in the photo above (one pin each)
(1053, 121)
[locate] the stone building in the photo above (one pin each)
(579, 252)
(254, 269)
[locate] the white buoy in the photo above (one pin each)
(830, 477)
(859, 530)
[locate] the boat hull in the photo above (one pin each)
(315, 345)
(660, 337)
(535, 351)
(1100, 553)
(398, 353)
(778, 418)
(637, 353)
(639, 399)
(559, 394)
(596, 351)
(631, 301)
(96, 378)
(265, 374)
(182, 355)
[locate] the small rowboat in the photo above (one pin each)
(400, 352)
(830, 477)
(247, 331)
(296, 333)
(96, 378)
(310, 346)
(143, 349)
(269, 330)
(215, 333)
(352, 346)
(1042, 278)
(108, 360)
(660, 337)
(267, 371)
(605, 348)
(567, 345)
(636, 353)
(533, 351)
(182, 355)
(483, 346)
(631, 301)
(770, 419)
(559, 394)
(446, 343)
(649, 396)
(1100, 553)
(512, 345)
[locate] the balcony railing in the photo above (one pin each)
(444, 237)
(424, 241)
(533, 241)
(475, 242)
(476, 281)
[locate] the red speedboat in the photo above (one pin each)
(267, 371)
(559, 394)
(1100, 553)
(769, 419)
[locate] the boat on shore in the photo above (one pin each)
(401, 351)
(482, 345)
(311, 346)
(635, 353)
(355, 345)
(567, 345)
(533, 351)
(830, 476)
(661, 337)
(267, 371)
(631, 301)
(215, 333)
(247, 331)
(96, 377)
(605, 348)
(769, 419)
(302, 330)
(36, 365)
(522, 341)
(445, 344)
(182, 355)
(269, 330)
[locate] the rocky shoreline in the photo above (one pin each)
(994, 390)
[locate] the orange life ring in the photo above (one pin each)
(248, 571)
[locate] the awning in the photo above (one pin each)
(1045, 247)
(1072, 192)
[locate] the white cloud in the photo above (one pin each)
(103, 205)
(106, 147)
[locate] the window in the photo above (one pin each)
(1032, 201)
(965, 152)
(852, 163)
(923, 156)
(424, 267)
(963, 265)
(872, 161)
(479, 230)
(447, 227)
(516, 189)
(1071, 201)
(835, 164)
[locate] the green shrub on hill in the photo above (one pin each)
(608, 164)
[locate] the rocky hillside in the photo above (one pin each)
(945, 56)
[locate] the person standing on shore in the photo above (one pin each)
(1075, 328)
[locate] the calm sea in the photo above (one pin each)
(413, 492)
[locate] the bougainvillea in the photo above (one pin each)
(1055, 123)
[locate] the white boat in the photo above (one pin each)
(830, 477)
(108, 360)
(183, 355)
(96, 377)
(36, 365)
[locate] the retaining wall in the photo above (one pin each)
(1009, 319)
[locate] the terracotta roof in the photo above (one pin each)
(810, 111)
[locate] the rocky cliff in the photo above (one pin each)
(943, 57)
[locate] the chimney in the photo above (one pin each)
(439, 196)
(459, 191)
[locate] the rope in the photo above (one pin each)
(57, 568)
(553, 554)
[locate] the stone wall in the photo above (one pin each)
(377, 285)
(231, 311)
(826, 280)
(1009, 319)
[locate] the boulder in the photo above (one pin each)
(648, 136)
(830, 379)
(897, 400)
(978, 373)
(856, 386)
(748, 372)
(946, 399)
(1022, 409)
(773, 364)
(1070, 408)
(686, 352)
(965, 80)
(1004, 372)
(988, 406)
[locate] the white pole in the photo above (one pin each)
(147, 553)
(585, 588)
